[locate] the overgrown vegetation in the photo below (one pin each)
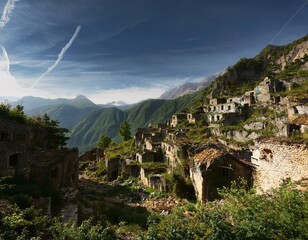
(55, 135)
(20, 219)
(179, 186)
(124, 149)
(240, 215)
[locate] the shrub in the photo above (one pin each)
(241, 214)
(23, 201)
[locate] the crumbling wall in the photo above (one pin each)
(113, 166)
(197, 179)
(57, 168)
(276, 161)
(157, 182)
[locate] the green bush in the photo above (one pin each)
(23, 201)
(31, 224)
(241, 214)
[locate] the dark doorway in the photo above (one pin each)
(13, 161)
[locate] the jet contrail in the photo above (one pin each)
(6, 56)
(60, 56)
(5, 18)
(291, 18)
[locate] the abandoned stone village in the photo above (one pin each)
(260, 137)
(225, 152)
(231, 147)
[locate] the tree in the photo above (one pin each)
(124, 131)
(104, 142)
(56, 136)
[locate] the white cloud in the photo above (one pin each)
(128, 95)
(60, 56)
(9, 85)
(9, 7)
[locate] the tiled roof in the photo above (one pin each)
(302, 120)
(208, 155)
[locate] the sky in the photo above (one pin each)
(130, 50)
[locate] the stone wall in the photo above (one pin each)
(56, 169)
(197, 179)
(113, 167)
(276, 161)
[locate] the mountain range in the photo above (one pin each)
(88, 121)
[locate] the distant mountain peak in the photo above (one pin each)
(188, 88)
(81, 97)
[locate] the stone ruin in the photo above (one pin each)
(20, 157)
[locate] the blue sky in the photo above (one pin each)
(134, 49)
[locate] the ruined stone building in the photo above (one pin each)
(264, 91)
(176, 119)
(230, 111)
(24, 155)
(213, 169)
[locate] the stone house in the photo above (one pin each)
(216, 101)
(213, 168)
(151, 177)
(141, 134)
(230, 107)
(298, 126)
(192, 118)
(177, 118)
(248, 98)
(174, 135)
(153, 142)
(149, 156)
(214, 117)
(263, 92)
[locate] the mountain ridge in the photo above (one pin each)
(188, 88)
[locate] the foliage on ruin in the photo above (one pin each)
(123, 149)
(13, 113)
(56, 136)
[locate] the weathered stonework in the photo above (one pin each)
(213, 168)
(277, 161)
(24, 154)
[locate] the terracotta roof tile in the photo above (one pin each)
(302, 120)
(208, 155)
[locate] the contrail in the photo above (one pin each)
(291, 18)
(6, 56)
(60, 56)
(5, 18)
